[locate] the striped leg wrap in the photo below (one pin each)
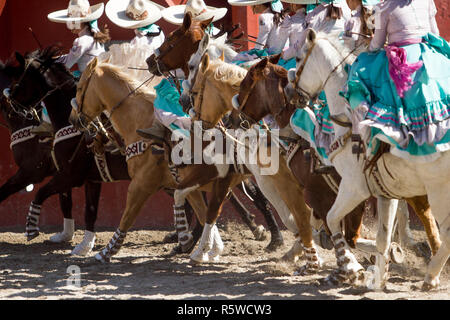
(181, 225)
(312, 261)
(113, 246)
(32, 228)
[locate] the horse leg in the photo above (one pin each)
(65, 200)
(264, 207)
(211, 243)
(17, 182)
(387, 210)
(57, 184)
(92, 194)
(348, 267)
(423, 211)
(139, 190)
(247, 217)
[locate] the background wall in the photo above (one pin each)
(16, 16)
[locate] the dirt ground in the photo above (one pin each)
(145, 268)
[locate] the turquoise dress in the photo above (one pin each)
(416, 125)
(287, 64)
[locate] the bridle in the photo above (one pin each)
(31, 113)
(298, 74)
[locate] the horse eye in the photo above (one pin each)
(297, 60)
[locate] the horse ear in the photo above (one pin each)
(260, 66)
(187, 21)
(92, 65)
(274, 59)
(205, 24)
(311, 35)
(20, 59)
(205, 42)
(222, 56)
(205, 63)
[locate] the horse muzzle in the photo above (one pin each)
(152, 65)
(291, 75)
(185, 102)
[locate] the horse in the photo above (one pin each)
(32, 156)
(102, 87)
(175, 53)
(392, 177)
(266, 76)
(76, 163)
(219, 76)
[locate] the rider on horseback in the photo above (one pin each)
(81, 19)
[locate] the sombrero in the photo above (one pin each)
(199, 10)
(133, 14)
(77, 11)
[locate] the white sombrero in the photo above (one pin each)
(133, 14)
(78, 11)
(242, 3)
(301, 1)
(199, 10)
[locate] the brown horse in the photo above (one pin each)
(255, 103)
(107, 88)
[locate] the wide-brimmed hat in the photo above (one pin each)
(77, 11)
(301, 1)
(133, 14)
(242, 3)
(199, 10)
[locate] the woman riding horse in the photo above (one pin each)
(81, 19)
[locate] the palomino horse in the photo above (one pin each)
(33, 158)
(216, 83)
(254, 104)
(76, 164)
(396, 177)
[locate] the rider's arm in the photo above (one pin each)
(432, 13)
(80, 47)
(265, 26)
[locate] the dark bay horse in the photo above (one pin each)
(32, 157)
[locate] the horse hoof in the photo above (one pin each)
(274, 244)
(214, 259)
(259, 233)
(199, 257)
(396, 253)
(61, 237)
(187, 247)
(325, 240)
(171, 238)
(306, 270)
(428, 286)
(31, 236)
(99, 257)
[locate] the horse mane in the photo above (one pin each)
(225, 72)
(333, 39)
(217, 47)
(118, 73)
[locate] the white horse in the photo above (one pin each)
(320, 64)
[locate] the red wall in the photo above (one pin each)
(16, 18)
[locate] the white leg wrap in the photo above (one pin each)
(217, 249)
(85, 246)
(32, 225)
(67, 234)
(200, 255)
(313, 261)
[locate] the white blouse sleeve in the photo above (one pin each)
(381, 24)
(79, 48)
(432, 15)
(265, 26)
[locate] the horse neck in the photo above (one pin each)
(335, 82)
(135, 112)
(59, 107)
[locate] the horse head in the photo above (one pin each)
(178, 47)
(261, 93)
